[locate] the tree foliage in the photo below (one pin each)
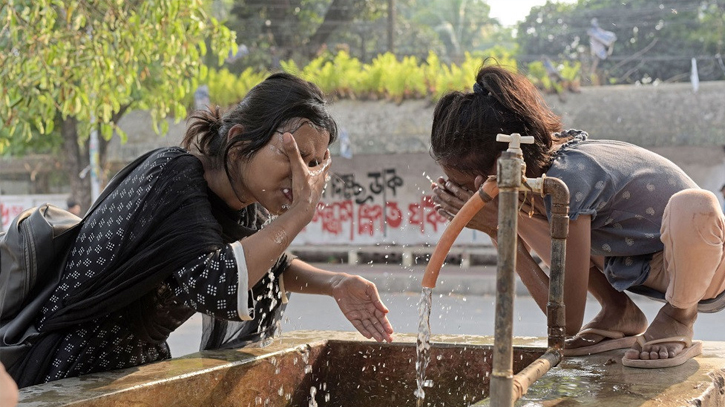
(90, 59)
(280, 30)
(273, 30)
(462, 25)
(74, 65)
(656, 39)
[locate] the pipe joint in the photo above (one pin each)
(559, 227)
(509, 171)
(559, 193)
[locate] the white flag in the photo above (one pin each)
(694, 77)
(345, 144)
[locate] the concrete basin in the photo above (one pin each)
(323, 368)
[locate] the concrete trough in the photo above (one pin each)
(323, 368)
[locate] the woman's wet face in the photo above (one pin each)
(268, 174)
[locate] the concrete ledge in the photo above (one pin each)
(288, 369)
(479, 280)
(407, 256)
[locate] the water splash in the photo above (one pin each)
(323, 168)
(422, 347)
(429, 178)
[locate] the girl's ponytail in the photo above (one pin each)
(465, 125)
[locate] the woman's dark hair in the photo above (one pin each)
(465, 125)
(267, 107)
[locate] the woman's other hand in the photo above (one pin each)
(360, 302)
(307, 182)
(8, 389)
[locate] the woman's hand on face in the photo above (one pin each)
(450, 197)
(360, 302)
(307, 182)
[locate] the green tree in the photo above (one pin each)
(462, 25)
(275, 30)
(656, 39)
(73, 66)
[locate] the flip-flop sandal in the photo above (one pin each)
(614, 340)
(690, 350)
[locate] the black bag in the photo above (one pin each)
(33, 254)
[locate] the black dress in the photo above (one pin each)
(153, 253)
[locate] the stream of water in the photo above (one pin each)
(422, 348)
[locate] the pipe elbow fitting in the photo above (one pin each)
(559, 193)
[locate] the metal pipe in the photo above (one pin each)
(505, 388)
(509, 180)
(555, 309)
(534, 372)
(556, 317)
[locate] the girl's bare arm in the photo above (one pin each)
(535, 233)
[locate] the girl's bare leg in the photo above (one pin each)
(619, 313)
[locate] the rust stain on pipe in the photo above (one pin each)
(533, 372)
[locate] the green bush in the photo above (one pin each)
(570, 75)
(226, 89)
(341, 76)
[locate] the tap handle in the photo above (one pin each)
(515, 140)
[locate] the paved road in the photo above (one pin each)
(451, 314)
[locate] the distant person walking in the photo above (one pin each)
(73, 206)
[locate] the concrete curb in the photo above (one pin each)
(477, 280)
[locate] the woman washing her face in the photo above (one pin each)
(189, 231)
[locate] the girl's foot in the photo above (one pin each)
(669, 322)
(626, 318)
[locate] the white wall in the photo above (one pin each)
(381, 199)
(12, 205)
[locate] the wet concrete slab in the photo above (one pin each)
(344, 369)
(602, 380)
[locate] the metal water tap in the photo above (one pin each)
(514, 151)
(509, 177)
(504, 386)
(515, 140)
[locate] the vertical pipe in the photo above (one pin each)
(556, 315)
(391, 26)
(94, 161)
(509, 180)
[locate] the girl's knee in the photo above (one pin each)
(693, 217)
(694, 201)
